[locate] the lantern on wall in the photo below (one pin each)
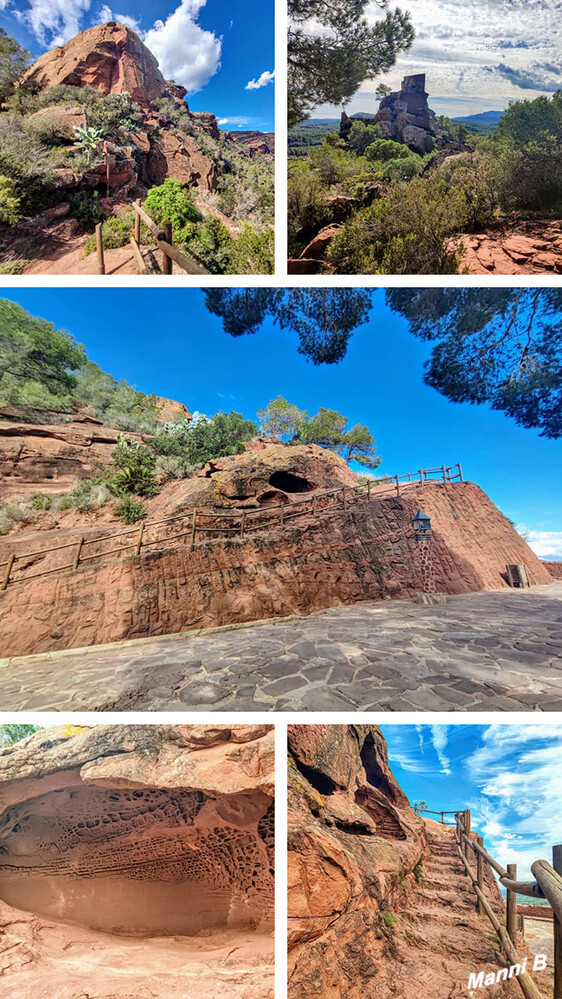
(421, 524)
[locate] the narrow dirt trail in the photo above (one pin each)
(440, 938)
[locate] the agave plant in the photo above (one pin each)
(88, 138)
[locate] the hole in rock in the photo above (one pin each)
(141, 862)
(321, 782)
(373, 770)
(288, 482)
(271, 498)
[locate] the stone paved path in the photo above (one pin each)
(493, 651)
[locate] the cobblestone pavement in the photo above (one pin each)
(493, 651)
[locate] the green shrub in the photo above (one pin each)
(211, 245)
(253, 252)
(403, 168)
(116, 230)
(9, 202)
(26, 161)
(171, 202)
(417, 872)
(386, 149)
(85, 208)
(130, 510)
(307, 204)
(405, 233)
(89, 494)
(40, 502)
(361, 136)
(389, 918)
(135, 464)
(13, 266)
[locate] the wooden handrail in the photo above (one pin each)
(163, 238)
(343, 496)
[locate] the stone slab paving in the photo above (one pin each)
(492, 651)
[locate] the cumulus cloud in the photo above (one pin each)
(238, 120)
(262, 81)
(186, 52)
(518, 771)
(53, 22)
(106, 14)
(545, 544)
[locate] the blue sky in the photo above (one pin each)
(215, 48)
(508, 775)
(476, 57)
(165, 341)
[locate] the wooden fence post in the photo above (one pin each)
(78, 553)
(167, 263)
(398, 485)
(368, 489)
(442, 818)
(282, 514)
(344, 495)
(6, 579)
(99, 249)
(243, 524)
(444, 471)
(106, 154)
(557, 994)
(139, 540)
(480, 872)
(314, 506)
(420, 473)
(460, 472)
(193, 528)
(137, 223)
(511, 904)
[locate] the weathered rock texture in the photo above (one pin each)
(52, 457)
(109, 57)
(141, 831)
(525, 247)
(404, 116)
(334, 557)
(554, 568)
(378, 904)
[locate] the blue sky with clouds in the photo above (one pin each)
(378, 383)
(510, 776)
(221, 50)
(477, 56)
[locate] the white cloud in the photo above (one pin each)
(474, 57)
(543, 543)
(519, 776)
(186, 52)
(53, 22)
(106, 14)
(440, 738)
(262, 81)
(237, 120)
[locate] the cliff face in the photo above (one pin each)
(109, 57)
(378, 904)
(366, 552)
(137, 831)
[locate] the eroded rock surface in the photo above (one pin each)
(378, 903)
(137, 831)
(527, 247)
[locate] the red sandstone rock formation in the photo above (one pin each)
(254, 142)
(378, 903)
(53, 457)
(526, 247)
(305, 564)
(109, 57)
(143, 832)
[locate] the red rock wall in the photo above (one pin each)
(554, 568)
(368, 553)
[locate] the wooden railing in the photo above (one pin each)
(164, 242)
(547, 884)
(200, 522)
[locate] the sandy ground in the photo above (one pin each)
(539, 937)
(46, 959)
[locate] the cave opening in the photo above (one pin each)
(373, 771)
(141, 861)
(288, 482)
(320, 781)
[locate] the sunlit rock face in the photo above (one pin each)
(141, 830)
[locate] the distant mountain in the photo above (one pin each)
(482, 123)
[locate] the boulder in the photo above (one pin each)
(206, 121)
(318, 246)
(109, 57)
(61, 120)
(180, 156)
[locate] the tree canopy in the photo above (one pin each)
(501, 346)
(32, 350)
(329, 66)
(327, 428)
(13, 61)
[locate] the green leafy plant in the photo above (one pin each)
(116, 230)
(388, 918)
(10, 203)
(135, 468)
(88, 137)
(130, 510)
(417, 872)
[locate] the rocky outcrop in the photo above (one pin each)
(527, 247)
(109, 57)
(52, 457)
(403, 116)
(141, 831)
(253, 142)
(317, 247)
(180, 156)
(286, 566)
(60, 120)
(378, 903)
